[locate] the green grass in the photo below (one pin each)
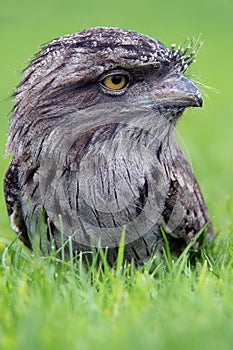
(47, 303)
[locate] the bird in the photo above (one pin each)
(94, 155)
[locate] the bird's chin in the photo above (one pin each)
(179, 111)
(171, 113)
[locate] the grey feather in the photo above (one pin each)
(101, 160)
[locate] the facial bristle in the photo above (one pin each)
(182, 57)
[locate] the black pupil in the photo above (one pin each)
(116, 79)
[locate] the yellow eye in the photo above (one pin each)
(115, 81)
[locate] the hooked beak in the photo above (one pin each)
(176, 91)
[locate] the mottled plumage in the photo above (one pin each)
(92, 137)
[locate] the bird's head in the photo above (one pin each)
(104, 67)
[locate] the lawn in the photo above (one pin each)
(168, 303)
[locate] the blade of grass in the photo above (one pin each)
(189, 245)
(120, 256)
(166, 250)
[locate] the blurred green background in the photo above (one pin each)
(207, 133)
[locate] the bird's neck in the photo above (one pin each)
(133, 138)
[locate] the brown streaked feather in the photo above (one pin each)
(12, 197)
